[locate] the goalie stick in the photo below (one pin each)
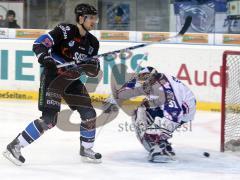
(185, 27)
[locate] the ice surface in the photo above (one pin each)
(55, 154)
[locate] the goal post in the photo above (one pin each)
(230, 103)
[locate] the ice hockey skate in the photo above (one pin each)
(88, 155)
(13, 153)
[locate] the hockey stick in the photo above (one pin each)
(185, 27)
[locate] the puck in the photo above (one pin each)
(206, 154)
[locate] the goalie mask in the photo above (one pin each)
(145, 73)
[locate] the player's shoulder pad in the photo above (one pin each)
(68, 30)
(93, 39)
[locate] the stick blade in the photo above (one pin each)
(186, 25)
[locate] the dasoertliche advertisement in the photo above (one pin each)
(114, 35)
(231, 39)
(199, 38)
(29, 33)
(154, 36)
(188, 38)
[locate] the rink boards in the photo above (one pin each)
(198, 66)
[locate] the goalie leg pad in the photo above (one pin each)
(151, 131)
(159, 153)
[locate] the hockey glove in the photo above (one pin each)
(47, 61)
(91, 67)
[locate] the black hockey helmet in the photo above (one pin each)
(84, 9)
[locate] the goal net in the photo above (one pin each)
(230, 112)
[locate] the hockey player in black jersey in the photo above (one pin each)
(65, 43)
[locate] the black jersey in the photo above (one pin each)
(65, 44)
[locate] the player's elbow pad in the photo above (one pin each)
(39, 49)
(42, 44)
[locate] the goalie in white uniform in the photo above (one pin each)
(168, 105)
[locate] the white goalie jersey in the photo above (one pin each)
(168, 104)
(176, 100)
(182, 98)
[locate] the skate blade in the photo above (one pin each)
(162, 159)
(89, 160)
(11, 158)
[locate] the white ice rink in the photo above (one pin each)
(55, 155)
